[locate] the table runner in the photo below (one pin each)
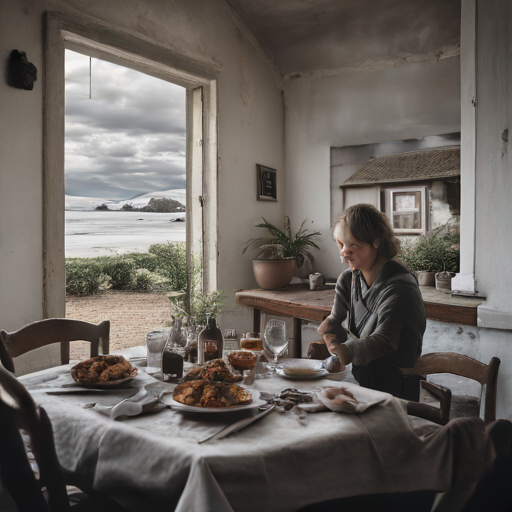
(282, 463)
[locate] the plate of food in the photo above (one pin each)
(302, 369)
(212, 397)
(214, 370)
(103, 371)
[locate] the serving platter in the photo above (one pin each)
(318, 374)
(109, 383)
(169, 400)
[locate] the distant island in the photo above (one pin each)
(155, 205)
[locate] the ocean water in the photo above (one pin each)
(107, 233)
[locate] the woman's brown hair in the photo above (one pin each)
(368, 224)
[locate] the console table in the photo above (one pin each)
(301, 303)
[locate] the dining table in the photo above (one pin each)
(280, 463)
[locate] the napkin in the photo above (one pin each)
(337, 399)
(143, 401)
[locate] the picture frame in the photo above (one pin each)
(266, 181)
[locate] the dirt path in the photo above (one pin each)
(131, 316)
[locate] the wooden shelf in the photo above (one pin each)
(299, 301)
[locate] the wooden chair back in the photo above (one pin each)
(19, 411)
(463, 366)
(53, 330)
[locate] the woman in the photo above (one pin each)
(378, 318)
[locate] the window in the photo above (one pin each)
(408, 210)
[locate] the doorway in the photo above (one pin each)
(125, 184)
(95, 39)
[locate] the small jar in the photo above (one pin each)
(251, 341)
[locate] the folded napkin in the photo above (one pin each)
(143, 401)
(339, 399)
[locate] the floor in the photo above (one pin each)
(131, 316)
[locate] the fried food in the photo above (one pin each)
(102, 369)
(214, 370)
(202, 393)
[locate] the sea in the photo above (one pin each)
(91, 233)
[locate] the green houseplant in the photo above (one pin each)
(280, 253)
(437, 251)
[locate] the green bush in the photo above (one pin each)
(162, 269)
(143, 260)
(434, 252)
(143, 279)
(121, 270)
(171, 263)
(83, 276)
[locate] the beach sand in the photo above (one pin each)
(131, 316)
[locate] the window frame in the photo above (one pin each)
(423, 209)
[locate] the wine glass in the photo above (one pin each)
(275, 338)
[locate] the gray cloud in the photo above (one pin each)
(129, 138)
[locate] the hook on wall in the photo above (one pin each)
(22, 73)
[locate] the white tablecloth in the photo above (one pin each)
(281, 463)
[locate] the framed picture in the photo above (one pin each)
(266, 183)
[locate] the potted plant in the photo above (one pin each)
(432, 253)
(280, 253)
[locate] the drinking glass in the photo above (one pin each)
(275, 338)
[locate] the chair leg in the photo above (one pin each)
(64, 352)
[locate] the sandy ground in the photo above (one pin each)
(131, 316)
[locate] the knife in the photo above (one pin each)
(67, 391)
(239, 425)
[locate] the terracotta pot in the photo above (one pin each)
(274, 274)
(426, 278)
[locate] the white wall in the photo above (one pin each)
(493, 272)
(395, 103)
(250, 132)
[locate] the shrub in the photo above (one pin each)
(143, 279)
(120, 269)
(434, 252)
(162, 269)
(143, 260)
(83, 277)
(171, 263)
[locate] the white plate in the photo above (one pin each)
(317, 375)
(169, 400)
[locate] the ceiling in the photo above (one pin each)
(306, 35)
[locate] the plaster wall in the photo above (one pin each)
(400, 102)
(250, 129)
(493, 175)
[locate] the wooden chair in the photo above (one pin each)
(19, 415)
(18, 410)
(53, 330)
(463, 366)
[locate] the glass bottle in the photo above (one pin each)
(210, 342)
(173, 354)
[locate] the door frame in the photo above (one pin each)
(96, 39)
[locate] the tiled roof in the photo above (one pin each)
(426, 164)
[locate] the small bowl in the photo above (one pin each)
(243, 360)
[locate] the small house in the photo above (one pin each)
(418, 190)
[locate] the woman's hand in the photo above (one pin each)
(335, 347)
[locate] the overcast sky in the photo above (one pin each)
(129, 138)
